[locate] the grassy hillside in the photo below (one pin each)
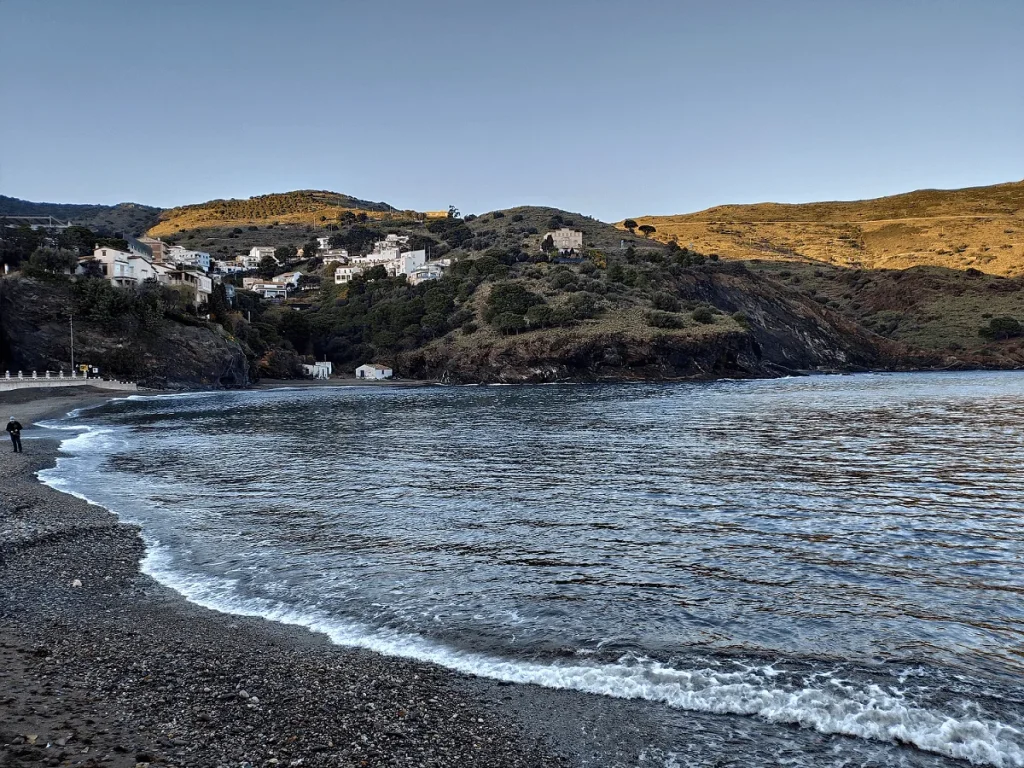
(933, 309)
(300, 208)
(978, 227)
(124, 218)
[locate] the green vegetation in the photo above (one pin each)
(1002, 328)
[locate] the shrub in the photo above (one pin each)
(560, 279)
(517, 217)
(498, 215)
(583, 305)
(1003, 327)
(469, 327)
(508, 322)
(741, 318)
(666, 302)
(703, 315)
(658, 319)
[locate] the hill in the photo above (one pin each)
(977, 227)
(302, 207)
(121, 219)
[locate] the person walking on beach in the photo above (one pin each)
(15, 430)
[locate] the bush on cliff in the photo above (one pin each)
(1003, 327)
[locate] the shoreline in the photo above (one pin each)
(104, 666)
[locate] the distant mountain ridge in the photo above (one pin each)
(974, 227)
(127, 218)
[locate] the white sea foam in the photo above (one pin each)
(828, 705)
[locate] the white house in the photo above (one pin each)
(345, 273)
(432, 270)
(227, 267)
(407, 262)
(373, 371)
(272, 291)
(176, 254)
(339, 255)
(319, 370)
(565, 239)
(288, 278)
(252, 259)
(143, 269)
(116, 265)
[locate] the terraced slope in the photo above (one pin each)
(308, 207)
(976, 227)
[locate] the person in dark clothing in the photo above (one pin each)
(14, 428)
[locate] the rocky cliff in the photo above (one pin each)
(781, 332)
(187, 353)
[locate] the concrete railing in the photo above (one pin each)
(23, 380)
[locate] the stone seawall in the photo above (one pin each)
(9, 385)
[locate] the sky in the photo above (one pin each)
(611, 109)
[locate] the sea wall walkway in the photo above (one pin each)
(21, 380)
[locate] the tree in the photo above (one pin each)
(267, 267)
(508, 322)
(18, 243)
(648, 229)
(548, 244)
(285, 253)
(453, 212)
(218, 304)
(50, 261)
(630, 225)
(79, 239)
(379, 272)
(311, 249)
(117, 243)
(511, 298)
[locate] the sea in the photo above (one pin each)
(824, 570)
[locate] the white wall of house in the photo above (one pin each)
(288, 278)
(142, 269)
(345, 273)
(566, 239)
(410, 260)
(179, 255)
(337, 254)
(373, 371)
(116, 265)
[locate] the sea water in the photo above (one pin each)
(824, 570)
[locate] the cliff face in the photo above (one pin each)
(35, 335)
(786, 333)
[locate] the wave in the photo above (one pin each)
(826, 704)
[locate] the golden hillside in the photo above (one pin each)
(980, 227)
(301, 207)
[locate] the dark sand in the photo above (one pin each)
(102, 666)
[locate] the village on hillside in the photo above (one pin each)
(279, 275)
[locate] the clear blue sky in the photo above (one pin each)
(608, 108)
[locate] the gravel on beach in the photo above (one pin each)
(102, 666)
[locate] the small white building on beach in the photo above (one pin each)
(373, 371)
